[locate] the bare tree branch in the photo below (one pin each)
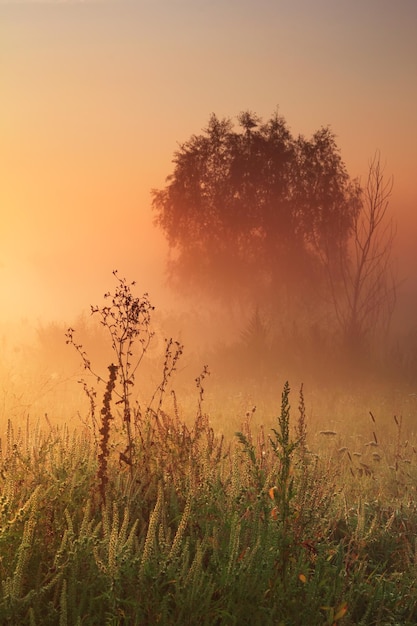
(362, 283)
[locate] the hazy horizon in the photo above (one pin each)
(98, 95)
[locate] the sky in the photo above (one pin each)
(97, 95)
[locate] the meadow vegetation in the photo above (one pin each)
(152, 513)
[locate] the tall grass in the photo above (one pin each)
(168, 523)
(251, 532)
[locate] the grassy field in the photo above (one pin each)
(187, 527)
(157, 514)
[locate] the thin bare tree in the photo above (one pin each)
(363, 284)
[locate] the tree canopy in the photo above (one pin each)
(250, 210)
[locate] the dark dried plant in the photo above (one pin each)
(173, 352)
(127, 320)
(106, 417)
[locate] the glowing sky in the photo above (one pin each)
(96, 95)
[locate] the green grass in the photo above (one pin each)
(152, 513)
(267, 528)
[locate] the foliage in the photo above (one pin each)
(247, 210)
(200, 532)
(193, 530)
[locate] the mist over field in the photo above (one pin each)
(260, 256)
(249, 355)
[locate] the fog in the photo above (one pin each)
(97, 98)
(40, 373)
(50, 290)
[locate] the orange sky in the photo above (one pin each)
(96, 95)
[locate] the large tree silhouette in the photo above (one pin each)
(248, 212)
